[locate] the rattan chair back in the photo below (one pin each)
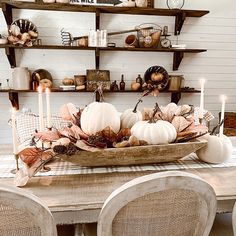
(170, 203)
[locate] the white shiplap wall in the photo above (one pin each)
(215, 31)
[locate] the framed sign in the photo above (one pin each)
(97, 77)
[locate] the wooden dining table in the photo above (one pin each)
(78, 198)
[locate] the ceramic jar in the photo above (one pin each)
(62, 1)
(21, 78)
(175, 82)
(141, 3)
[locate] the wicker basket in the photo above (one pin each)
(230, 120)
(229, 132)
(149, 38)
(229, 123)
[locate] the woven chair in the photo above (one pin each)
(23, 214)
(169, 203)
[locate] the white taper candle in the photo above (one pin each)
(222, 115)
(40, 101)
(201, 107)
(49, 115)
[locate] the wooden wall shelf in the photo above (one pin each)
(180, 15)
(14, 98)
(177, 57)
(178, 54)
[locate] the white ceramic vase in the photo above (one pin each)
(21, 78)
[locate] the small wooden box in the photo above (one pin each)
(97, 77)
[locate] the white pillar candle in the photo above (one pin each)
(222, 115)
(14, 135)
(49, 115)
(201, 107)
(40, 101)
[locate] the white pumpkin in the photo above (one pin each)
(217, 150)
(160, 132)
(130, 116)
(99, 115)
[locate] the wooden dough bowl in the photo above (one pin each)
(151, 154)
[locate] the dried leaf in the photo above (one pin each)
(121, 144)
(143, 143)
(180, 123)
(123, 134)
(78, 132)
(47, 136)
(30, 154)
(69, 133)
(108, 134)
(40, 162)
(197, 128)
(186, 134)
(83, 145)
(133, 141)
(77, 117)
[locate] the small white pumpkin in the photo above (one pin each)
(160, 132)
(15, 30)
(130, 116)
(154, 132)
(99, 115)
(217, 150)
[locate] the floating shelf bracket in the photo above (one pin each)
(175, 97)
(13, 97)
(97, 19)
(7, 12)
(179, 21)
(177, 58)
(97, 58)
(10, 52)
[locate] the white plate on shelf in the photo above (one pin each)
(66, 87)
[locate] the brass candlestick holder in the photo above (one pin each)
(14, 171)
(44, 168)
(201, 121)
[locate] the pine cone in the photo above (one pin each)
(60, 149)
(71, 149)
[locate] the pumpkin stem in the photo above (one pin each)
(98, 93)
(155, 110)
(217, 126)
(136, 106)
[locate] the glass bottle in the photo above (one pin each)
(114, 86)
(175, 4)
(122, 83)
(139, 80)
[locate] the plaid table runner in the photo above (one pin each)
(58, 167)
